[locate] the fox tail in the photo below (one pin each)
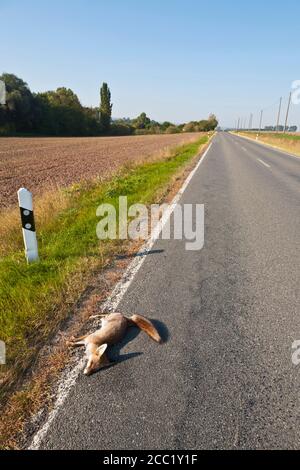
(145, 325)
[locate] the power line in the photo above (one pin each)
(242, 121)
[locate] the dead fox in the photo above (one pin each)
(113, 329)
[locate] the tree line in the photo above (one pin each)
(60, 113)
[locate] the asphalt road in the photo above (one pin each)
(225, 378)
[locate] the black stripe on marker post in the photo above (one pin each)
(27, 219)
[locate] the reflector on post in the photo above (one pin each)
(28, 225)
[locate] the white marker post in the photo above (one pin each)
(28, 226)
(2, 353)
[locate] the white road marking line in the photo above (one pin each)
(244, 148)
(264, 163)
(111, 304)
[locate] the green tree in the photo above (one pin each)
(172, 129)
(105, 108)
(142, 121)
(61, 113)
(165, 125)
(19, 110)
(190, 127)
(64, 97)
(203, 125)
(212, 122)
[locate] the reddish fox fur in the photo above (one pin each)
(113, 329)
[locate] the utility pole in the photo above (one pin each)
(260, 121)
(287, 112)
(250, 122)
(238, 126)
(278, 117)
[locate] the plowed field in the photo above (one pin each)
(40, 164)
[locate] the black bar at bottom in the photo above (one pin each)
(138, 459)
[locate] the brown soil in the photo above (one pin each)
(40, 164)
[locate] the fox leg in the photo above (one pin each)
(101, 315)
(80, 338)
(73, 344)
(77, 341)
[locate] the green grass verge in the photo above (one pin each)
(35, 298)
(285, 136)
(280, 135)
(275, 135)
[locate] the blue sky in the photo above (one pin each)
(175, 60)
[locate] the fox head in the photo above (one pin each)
(96, 360)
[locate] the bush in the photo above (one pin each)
(189, 127)
(172, 130)
(121, 129)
